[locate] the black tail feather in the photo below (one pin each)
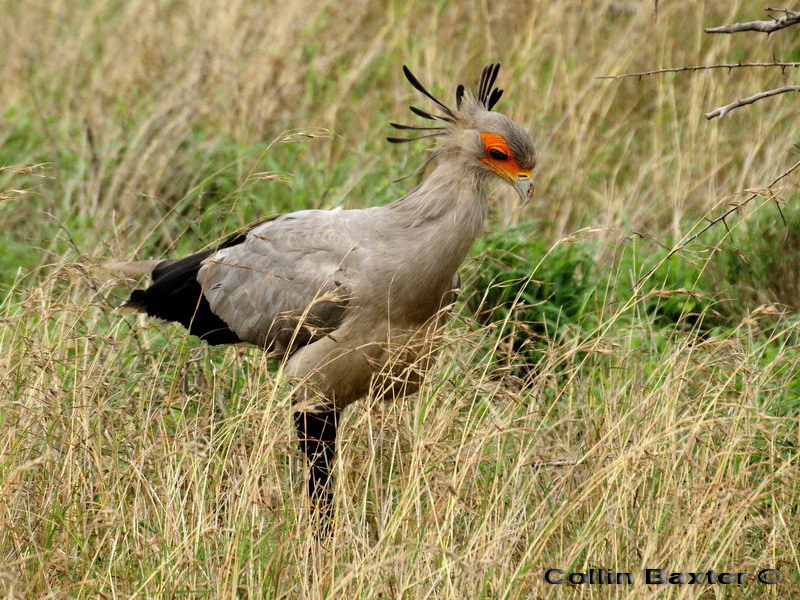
(176, 295)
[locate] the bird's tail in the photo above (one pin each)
(129, 269)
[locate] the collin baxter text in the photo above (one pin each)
(648, 576)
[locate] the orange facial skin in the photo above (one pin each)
(508, 168)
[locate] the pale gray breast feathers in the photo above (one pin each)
(290, 271)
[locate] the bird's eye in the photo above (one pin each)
(497, 154)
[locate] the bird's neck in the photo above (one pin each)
(443, 216)
(451, 191)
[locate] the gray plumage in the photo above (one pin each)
(352, 298)
(353, 283)
(337, 290)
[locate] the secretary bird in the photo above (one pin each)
(336, 293)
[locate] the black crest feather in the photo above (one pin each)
(396, 140)
(488, 95)
(426, 115)
(493, 98)
(399, 126)
(415, 82)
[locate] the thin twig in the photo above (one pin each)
(724, 110)
(730, 66)
(790, 18)
(780, 210)
(538, 464)
(711, 222)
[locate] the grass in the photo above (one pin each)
(583, 423)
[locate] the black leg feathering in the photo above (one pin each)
(316, 432)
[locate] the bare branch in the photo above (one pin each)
(730, 66)
(785, 11)
(711, 222)
(790, 18)
(538, 464)
(724, 110)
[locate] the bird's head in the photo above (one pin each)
(472, 132)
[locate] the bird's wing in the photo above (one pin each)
(286, 284)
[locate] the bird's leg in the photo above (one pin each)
(316, 432)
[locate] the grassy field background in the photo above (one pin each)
(574, 421)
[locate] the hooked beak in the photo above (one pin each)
(524, 188)
(521, 181)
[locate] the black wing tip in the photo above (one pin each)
(176, 295)
(137, 301)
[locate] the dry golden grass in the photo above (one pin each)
(135, 463)
(135, 471)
